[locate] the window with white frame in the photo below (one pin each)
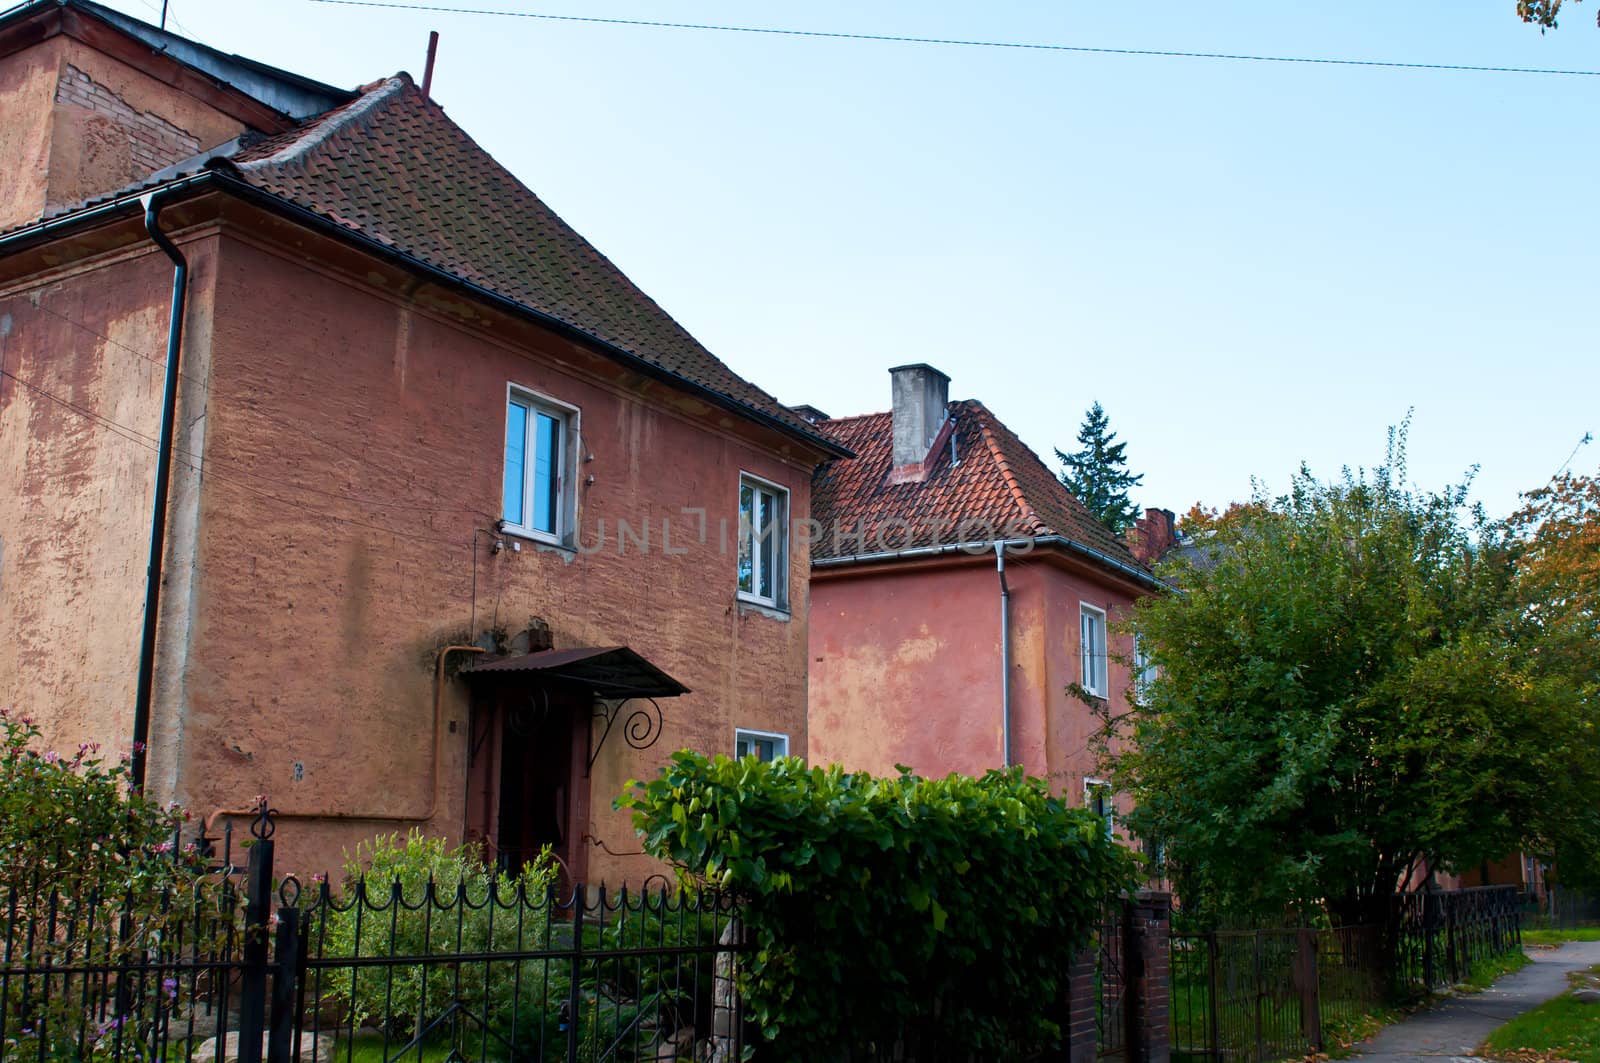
(1097, 798)
(763, 542)
(1144, 670)
(537, 500)
(1092, 646)
(763, 745)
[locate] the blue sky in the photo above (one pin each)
(1248, 264)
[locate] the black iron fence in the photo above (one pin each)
(1560, 908)
(1442, 934)
(1258, 995)
(245, 968)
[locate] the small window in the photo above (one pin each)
(763, 542)
(535, 492)
(763, 745)
(1144, 671)
(1098, 798)
(1092, 643)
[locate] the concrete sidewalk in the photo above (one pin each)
(1455, 1028)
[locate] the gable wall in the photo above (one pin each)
(76, 123)
(353, 456)
(905, 667)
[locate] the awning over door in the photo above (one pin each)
(612, 672)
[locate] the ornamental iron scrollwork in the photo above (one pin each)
(262, 827)
(641, 729)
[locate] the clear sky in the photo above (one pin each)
(1248, 264)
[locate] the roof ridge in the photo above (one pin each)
(307, 139)
(985, 429)
(858, 416)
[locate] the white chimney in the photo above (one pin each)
(921, 394)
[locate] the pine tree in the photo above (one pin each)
(1098, 473)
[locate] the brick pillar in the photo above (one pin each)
(1149, 928)
(1082, 1035)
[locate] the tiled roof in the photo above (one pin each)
(996, 486)
(392, 167)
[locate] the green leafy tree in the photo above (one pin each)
(1345, 696)
(1556, 542)
(1541, 13)
(1097, 473)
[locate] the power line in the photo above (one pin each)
(200, 465)
(1588, 437)
(960, 42)
(196, 460)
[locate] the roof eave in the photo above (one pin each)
(65, 224)
(978, 548)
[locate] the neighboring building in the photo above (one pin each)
(931, 648)
(415, 411)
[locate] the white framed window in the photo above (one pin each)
(1144, 671)
(763, 542)
(764, 745)
(536, 495)
(1097, 797)
(1092, 648)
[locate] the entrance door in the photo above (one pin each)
(529, 788)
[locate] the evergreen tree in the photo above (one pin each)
(1098, 473)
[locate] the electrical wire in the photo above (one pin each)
(196, 460)
(888, 38)
(139, 438)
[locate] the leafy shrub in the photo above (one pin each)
(89, 875)
(936, 916)
(414, 896)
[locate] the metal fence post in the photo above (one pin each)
(1310, 977)
(257, 910)
(574, 1003)
(280, 1036)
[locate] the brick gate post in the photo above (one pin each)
(1082, 1035)
(1149, 932)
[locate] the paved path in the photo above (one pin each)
(1455, 1028)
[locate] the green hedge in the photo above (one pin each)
(936, 914)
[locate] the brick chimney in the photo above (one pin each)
(921, 396)
(1153, 535)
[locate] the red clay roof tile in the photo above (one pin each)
(995, 486)
(393, 167)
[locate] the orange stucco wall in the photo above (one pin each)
(905, 666)
(79, 413)
(341, 449)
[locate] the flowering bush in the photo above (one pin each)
(89, 878)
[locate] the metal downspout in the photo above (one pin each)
(1005, 654)
(158, 510)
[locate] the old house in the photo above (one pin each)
(460, 531)
(964, 605)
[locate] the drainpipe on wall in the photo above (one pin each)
(158, 509)
(1005, 654)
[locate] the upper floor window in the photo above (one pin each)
(1092, 646)
(1144, 671)
(763, 542)
(764, 745)
(1097, 797)
(537, 500)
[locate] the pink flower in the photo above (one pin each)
(52, 757)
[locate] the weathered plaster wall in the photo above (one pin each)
(77, 461)
(354, 446)
(905, 667)
(27, 91)
(76, 123)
